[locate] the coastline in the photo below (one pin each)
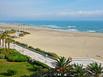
(73, 44)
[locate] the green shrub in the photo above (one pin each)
(45, 70)
(25, 32)
(52, 55)
(4, 51)
(49, 54)
(10, 72)
(31, 48)
(21, 44)
(12, 55)
(17, 57)
(2, 56)
(25, 76)
(37, 49)
(1, 49)
(40, 64)
(11, 31)
(21, 35)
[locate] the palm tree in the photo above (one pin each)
(79, 71)
(95, 69)
(8, 41)
(0, 39)
(62, 65)
(3, 37)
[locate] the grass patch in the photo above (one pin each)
(21, 68)
(14, 64)
(12, 55)
(17, 57)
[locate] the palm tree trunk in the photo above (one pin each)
(62, 74)
(8, 45)
(2, 42)
(97, 75)
(5, 44)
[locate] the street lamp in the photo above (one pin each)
(46, 57)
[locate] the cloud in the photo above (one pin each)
(52, 14)
(80, 13)
(52, 9)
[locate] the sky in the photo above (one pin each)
(51, 10)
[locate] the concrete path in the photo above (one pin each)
(36, 56)
(50, 62)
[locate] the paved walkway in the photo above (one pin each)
(36, 56)
(50, 62)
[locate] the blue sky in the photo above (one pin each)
(51, 9)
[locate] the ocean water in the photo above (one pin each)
(71, 26)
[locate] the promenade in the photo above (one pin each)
(50, 62)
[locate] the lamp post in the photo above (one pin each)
(46, 57)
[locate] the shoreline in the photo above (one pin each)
(30, 26)
(73, 44)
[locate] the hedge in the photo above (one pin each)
(17, 57)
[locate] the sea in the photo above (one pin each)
(70, 26)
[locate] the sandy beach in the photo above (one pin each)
(73, 44)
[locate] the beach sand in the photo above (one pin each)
(68, 44)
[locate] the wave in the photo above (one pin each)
(91, 31)
(51, 26)
(71, 26)
(60, 28)
(73, 30)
